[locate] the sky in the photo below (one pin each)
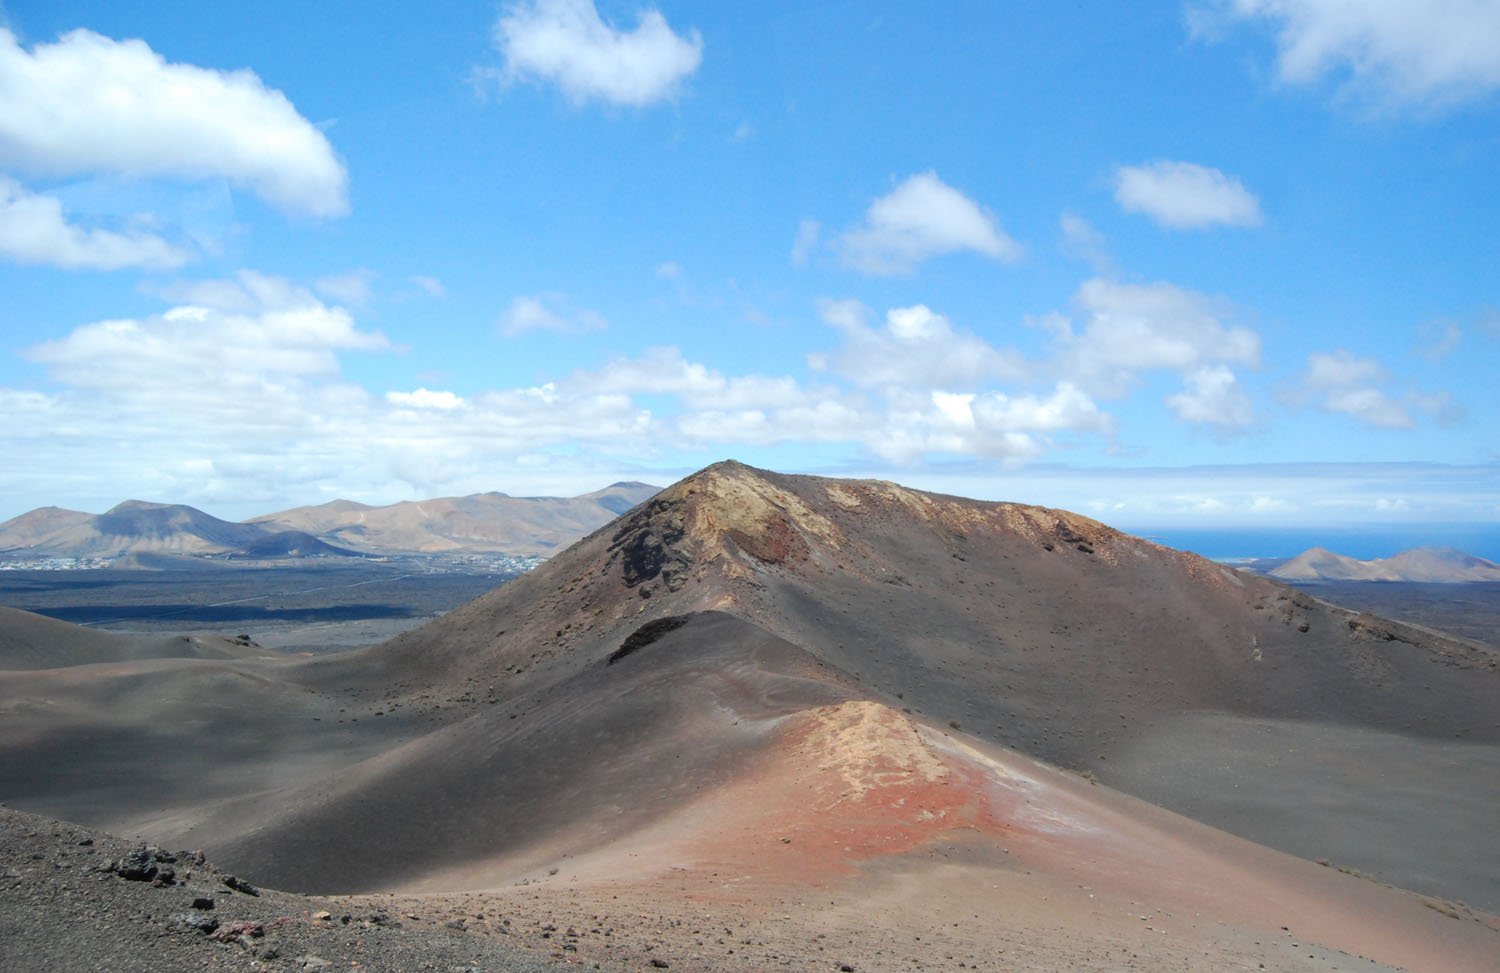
(1214, 263)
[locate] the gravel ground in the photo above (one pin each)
(65, 906)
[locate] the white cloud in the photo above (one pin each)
(351, 288)
(1082, 241)
(1185, 195)
(1015, 429)
(921, 218)
(238, 391)
(566, 42)
(533, 313)
(34, 230)
(663, 371)
(1134, 328)
(809, 232)
(89, 104)
(431, 285)
(425, 399)
(1344, 383)
(267, 331)
(223, 294)
(1390, 54)
(1214, 397)
(915, 349)
(1439, 339)
(1342, 370)
(669, 270)
(1489, 322)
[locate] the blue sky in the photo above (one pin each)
(1214, 263)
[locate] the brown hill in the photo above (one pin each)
(756, 689)
(1442, 565)
(132, 527)
(19, 534)
(483, 522)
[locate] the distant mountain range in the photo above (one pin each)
(485, 523)
(1428, 564)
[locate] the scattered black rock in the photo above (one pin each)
(240, 885)
(195, 920)
(136, 865)
(203, 902)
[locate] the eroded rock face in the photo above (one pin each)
(650, 546)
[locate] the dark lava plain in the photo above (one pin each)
(1470, 610)
(305, 605)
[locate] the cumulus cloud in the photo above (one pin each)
(566, 42)
(915, 348)
(1213, 397)
(1412, 53)
(1013, 428)
(1128, 329)
(1342, 382)
(423, 398)
(1122, 332)
(809, 232)
(548, 312)
(1082, 241)
(260, 329)
(88, 104)
(431, 285)
(1185, 195)
(921, 218)
(350, 288)
(238, 388)
(1439, 339)
(34, 230)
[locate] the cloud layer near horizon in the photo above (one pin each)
(247, 372)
